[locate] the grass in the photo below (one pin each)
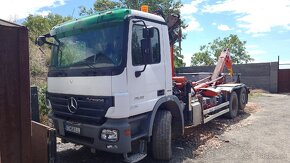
(256, 93)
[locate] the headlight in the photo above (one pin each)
(109, 135)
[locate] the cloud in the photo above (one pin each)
(190, 8)
(187, 11)
(193, 25)
(258, 34)
(258, 16)
(251, 46)
(257, 52)
(187, 59)
(22, 8)
(223, 27)
(43, 13)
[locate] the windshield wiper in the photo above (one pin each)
(84, 62)
(89, 64)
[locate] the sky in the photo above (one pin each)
(264, 24)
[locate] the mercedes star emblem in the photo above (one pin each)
(72, 105)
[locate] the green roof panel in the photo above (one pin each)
(116, 15)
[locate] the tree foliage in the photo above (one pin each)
(209, 53)
(178, 58)
(39, 25)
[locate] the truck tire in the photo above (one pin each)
(161, 135)
(234, 106)
(243, 98)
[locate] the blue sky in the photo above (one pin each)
(264, 24)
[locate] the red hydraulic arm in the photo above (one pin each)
(224, 60)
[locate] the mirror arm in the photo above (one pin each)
(139, 20)
(46, 42)
(138, 73)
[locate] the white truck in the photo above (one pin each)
(110, 85)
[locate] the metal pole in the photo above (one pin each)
(34, 104)
(278, 87)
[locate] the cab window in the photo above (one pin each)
(137, 59)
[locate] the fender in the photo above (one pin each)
(170, 103)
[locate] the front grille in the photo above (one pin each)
(91, 109)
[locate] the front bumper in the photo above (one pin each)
(90, 134)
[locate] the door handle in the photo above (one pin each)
(160, 92)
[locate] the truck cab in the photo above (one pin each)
(109, 74)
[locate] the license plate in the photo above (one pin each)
(73, 129)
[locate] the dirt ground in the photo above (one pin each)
(261, 133)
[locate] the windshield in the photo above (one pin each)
(94, 48)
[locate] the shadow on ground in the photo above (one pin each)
(194, 142)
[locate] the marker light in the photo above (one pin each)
(144, 8)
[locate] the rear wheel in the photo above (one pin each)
(234, 106)
(161, 135)
(243, 98)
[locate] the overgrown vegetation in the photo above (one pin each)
(39, 58)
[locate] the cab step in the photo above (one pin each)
(137, 156)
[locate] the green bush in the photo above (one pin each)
(43, 110)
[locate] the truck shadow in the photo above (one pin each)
(194, 142)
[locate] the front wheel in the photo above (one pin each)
(234, 106)
(161, 135)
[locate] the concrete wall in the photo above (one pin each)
(254, 75)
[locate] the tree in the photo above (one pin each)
(209, 53)
(178, 57)
(167, 6)
(39, 25)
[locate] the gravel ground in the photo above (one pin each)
(260, 133)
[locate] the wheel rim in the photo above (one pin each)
(243, 97)
(235, 106)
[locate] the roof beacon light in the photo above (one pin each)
(144, 8)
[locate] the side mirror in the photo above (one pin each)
(148, 32)
(40, 41)
(146, 49)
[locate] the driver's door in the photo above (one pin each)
(145, 90)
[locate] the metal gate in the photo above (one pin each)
(15, 134)
(284, 80)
